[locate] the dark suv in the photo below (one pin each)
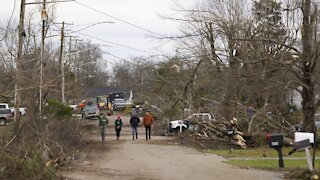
(5, 116)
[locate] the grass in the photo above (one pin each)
(259, 152)
(257, 158)
(270, 164)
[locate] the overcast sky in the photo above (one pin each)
(126, 14)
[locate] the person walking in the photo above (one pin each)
(147, 123)
(134, 121)
(103, 123)
(118, 124)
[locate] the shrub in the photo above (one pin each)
(58, 109)
(13, 167)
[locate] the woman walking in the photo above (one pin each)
(117, 125)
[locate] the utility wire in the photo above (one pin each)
(78, 30)
(117, 57)
(126, 22)
(92, 37)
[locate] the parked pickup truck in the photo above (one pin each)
(5, 116)
(191, 122)
(22, 110)
(177, 126)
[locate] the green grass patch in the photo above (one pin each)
(270, 164)
(257, 158)
(259, 152)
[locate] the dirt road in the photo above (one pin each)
(128, 159)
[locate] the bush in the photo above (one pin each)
(58, 109)
(13, 167)
(54, 138)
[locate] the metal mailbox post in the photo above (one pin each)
(230, 132)
(276, 141)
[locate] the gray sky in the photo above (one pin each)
(126, 14)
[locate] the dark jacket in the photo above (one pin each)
(134, 121)
(118, 124)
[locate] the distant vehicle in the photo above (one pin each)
(102, 101)
(4, 106)
(119, 104)
(201, 117)
(73, 107)
(22, 110)
(116, 95)
(5, 116)
(90, 112)
(177, 126)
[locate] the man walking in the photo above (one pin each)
(134, 121)
(117, 125)
(147, 123)
(103, 122)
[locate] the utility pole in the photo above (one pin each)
(17, 97)
(76, 61)
(18, 64)
(74, 51)
(62, 64)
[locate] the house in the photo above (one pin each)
(295, 98)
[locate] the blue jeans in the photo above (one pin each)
(134, 130)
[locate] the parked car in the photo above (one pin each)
(119, 104)
(5, 116)
(91, 111)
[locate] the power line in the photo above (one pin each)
(94, 24)
(92, 37)
(117, 57)
(126, 22)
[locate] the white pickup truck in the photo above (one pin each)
(182, 125)
(22, 110)
(177, 126)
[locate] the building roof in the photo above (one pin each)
(100, 91)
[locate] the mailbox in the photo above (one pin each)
(275, 140)
(301, 145)
(299, 136)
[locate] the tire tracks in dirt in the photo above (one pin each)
(128, 159)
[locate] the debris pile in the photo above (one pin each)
(213, 134)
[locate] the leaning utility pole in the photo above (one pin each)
(18, 63)
(62, 64)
